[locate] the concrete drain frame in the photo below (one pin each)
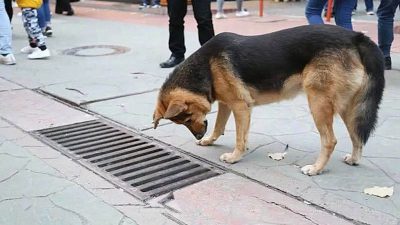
(141, 166)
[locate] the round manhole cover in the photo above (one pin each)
(96, 50)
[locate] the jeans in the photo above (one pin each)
(343, 9)
(150, 2)
(44, 15)
(176, 11)
(386, 11)
(5, 31)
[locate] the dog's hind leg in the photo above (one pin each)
(222, 118)
(242, 112)
(355, 156)
(322, 110)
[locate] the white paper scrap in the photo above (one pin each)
(382, 192)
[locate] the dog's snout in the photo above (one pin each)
(199, 136)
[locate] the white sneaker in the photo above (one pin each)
(28, 49)
(8, 59)
(371, 13)
(242, 13)
(156, 6)
(39, 54)
(220, 16)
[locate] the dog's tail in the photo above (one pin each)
(367, 101)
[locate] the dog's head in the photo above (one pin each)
(183, 107)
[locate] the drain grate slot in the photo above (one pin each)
(141, 166)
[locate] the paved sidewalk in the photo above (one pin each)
(38, 185)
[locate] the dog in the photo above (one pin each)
(340, 71)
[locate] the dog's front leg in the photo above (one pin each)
(241, 112)
(222, 117)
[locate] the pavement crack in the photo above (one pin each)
(16, 172)
(84, 221)
(76, 90)
(382, 170)
(47, 174)
(286, 208)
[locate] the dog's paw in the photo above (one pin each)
(310, 170)
(230, 157)
(350, 160)
(205, 141)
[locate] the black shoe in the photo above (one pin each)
(70, 13)
(171, 62)
(388, 63)
(48, 32)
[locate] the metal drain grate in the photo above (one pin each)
(141, 166)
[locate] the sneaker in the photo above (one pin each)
(220, 16)
(371, 13)
(156, 6)
(28, 49)
(48, 31)
(388, 63)
(142, 6)
(39, 54)
(353, 12)
(7, 59)
(242, 13)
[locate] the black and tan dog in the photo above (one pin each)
(340, 71)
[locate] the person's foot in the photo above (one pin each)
(388, 63)
(8, 59)
(48, 31)
(370, 12)
(39, 54)
(70, 13)
(28, 49)
(353, 12)
(242, 13)
(171, 62)
(156, 6)
(220, 16)
(142, 6)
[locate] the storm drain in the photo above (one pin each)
(141, 166)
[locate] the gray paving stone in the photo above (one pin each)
(347, 207)
(11, 165)
(244, 202)
(25, 184)
(146, 215)
(11, 149)
(389, 166)
(38, 211)
(7, 85)
(30, 111)
(390, 128)
(135, 111)
(83, 203)
(117, 197)
(379, 147)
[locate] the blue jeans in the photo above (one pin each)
(5, 31)
(343, 9)
(386, 11)
(44, 15)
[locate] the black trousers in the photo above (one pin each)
(63, 6)
(177, 11)
(9, 9)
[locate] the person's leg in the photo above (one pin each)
(5, 31)
(47, 14)
(386, 11)
(220, 6)
(369, 5)
(9, 8)
(177, 10)
(41, 17)
(203, 16)
(30, 20)
(239, 5)
(343, 10)
(313, 11)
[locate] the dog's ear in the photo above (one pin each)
(156, 118)
(174, 108)
(157, 115)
